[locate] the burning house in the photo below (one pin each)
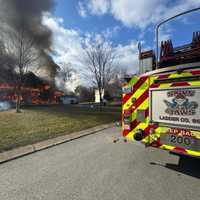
(25, 46)
(35, 91)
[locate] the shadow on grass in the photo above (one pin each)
(186, 165)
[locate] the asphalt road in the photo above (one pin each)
(94, 167)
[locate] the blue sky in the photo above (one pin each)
(122, 22)
(68, 10)
(180, 29)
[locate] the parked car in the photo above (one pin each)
(69, 99)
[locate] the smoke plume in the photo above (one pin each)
(28, 14)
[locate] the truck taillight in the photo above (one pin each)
(127, 120)
(127, 127)
(127, 124)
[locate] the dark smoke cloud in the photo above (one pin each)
(28, 14)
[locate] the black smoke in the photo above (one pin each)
(28, 14)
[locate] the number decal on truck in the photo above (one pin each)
(180, 140)
(173, 139)
(186, 142)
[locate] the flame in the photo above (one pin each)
(29, 95)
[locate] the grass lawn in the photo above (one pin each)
(35, 124)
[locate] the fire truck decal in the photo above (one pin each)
(181, 105)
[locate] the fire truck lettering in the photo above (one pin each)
(188, 93)
(186, 120)
(175, 119)
(196, 121)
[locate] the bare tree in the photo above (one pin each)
(22, 49)
(99, 58)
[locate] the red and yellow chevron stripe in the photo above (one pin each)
(138, 99)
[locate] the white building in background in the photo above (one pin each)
(97, 96)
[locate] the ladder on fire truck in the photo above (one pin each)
(174, 56)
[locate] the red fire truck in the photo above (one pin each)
(161, 105)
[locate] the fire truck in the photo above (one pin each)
(161, 105)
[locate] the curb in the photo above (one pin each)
(29, 149)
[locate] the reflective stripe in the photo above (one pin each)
(141, 96)
(135, 86)
(136, 95)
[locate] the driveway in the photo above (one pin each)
(94, 167)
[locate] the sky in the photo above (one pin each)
(123, 23)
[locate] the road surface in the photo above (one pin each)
(94, 167)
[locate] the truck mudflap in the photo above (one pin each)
(170, 122)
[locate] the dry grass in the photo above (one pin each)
(41, 123)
